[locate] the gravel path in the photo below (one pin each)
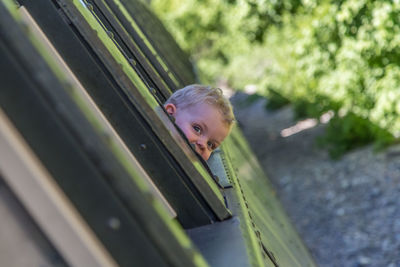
(347, 211)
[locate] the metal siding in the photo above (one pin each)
(269, 222)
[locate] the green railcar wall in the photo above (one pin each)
(261, 211)
(76, 148)
(128, 64)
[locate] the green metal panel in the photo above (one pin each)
(130, 106)
(166, 47)
(83, 156)
(126, 17)
(110, 33)
(80, 14)
(239, 207)
(274, 233)
(132, 50)
(128, 122)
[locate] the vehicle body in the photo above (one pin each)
(94, 168)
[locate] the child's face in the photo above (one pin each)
(202, 124)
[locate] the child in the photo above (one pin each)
(203, 114)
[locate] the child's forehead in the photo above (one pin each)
(199, 106)
(206, 111)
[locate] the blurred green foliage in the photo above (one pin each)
(341, 56)
(352, 131)
(276, 100)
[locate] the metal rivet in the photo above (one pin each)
(89, 6)
(110, 34)
(132, 61)
(258, 233)
(114, 223)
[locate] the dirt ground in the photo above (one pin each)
(348, 210)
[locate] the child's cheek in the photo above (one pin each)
(189, 135)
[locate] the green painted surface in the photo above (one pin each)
(260, 210)
(114, 51)
(154, 206)
(265, 213)
(135, 79)
(202, 180)
(252, 244)
(145, 40)
(177, 60)
(200, 168)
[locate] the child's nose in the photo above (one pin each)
(201, 144)
(202, 149)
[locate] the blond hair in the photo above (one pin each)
(196, 93)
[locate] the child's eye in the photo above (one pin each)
(211, 145)
(197, 129)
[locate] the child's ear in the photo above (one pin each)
(170, 108)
